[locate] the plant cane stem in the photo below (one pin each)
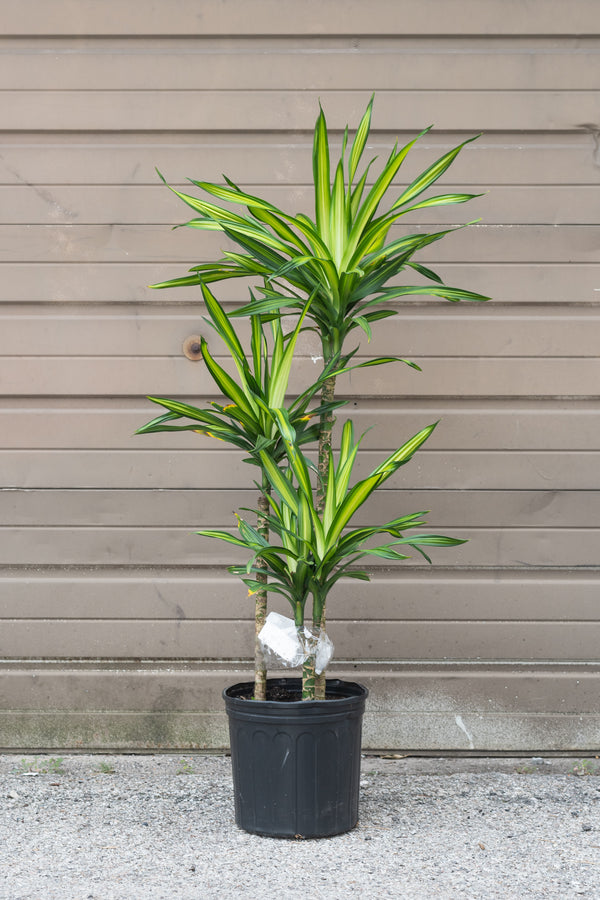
(327, 396)
(308, 679)
(309, 673)
(260, 608)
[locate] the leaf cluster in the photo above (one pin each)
(317, 549)
(342, 259)
(257, 389)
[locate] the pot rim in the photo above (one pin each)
(347, 690)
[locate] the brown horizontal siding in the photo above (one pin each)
(114, 546)
(99, 566)
(472, 425)
(149, 243)
(267, 158)
(424, 330)
(433, 593)
(360, 641)
(287, 17)
(238, 110)
(468, 377)
(141, 204)
(125, 282)
(155, 64)
(210, 507)
(453, 469)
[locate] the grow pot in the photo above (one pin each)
(296, 763)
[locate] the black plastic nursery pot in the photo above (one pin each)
(296, 763)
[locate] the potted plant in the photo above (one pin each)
(334, 274)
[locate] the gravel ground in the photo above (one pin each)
(161, 828)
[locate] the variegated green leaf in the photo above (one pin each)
(442, 200)
(223, 536)
(280, 482)
(250, 534)
(431, 175)
(268, 305)
(223, 325)
(355, 498)
(448, 293)
(373, 199)
(434, 540)
(337, 217)
(295, 458)
(331, 503)
(385, 552)
(280, 373)
(404, 453)
(321, 177)
(425, 272)
(360, 140)
(364, 324)
(183, 281)
(378, 361)
(186, 410)
(227, 385)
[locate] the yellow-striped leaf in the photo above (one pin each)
(337, 217)
(431, 175)
(321, 176)
(227, 385)
(280, 482)
(360, 140)
(223, 325)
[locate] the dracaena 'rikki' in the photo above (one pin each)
(335, 270)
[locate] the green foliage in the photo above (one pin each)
(584, 767)
(316, 550)
(247, 421)
(258, 388)
(343, 259)
(45, 766)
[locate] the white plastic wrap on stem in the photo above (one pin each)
(285, 645)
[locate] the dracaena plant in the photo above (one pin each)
(338, 271)
(317, 548)
(344, 259)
